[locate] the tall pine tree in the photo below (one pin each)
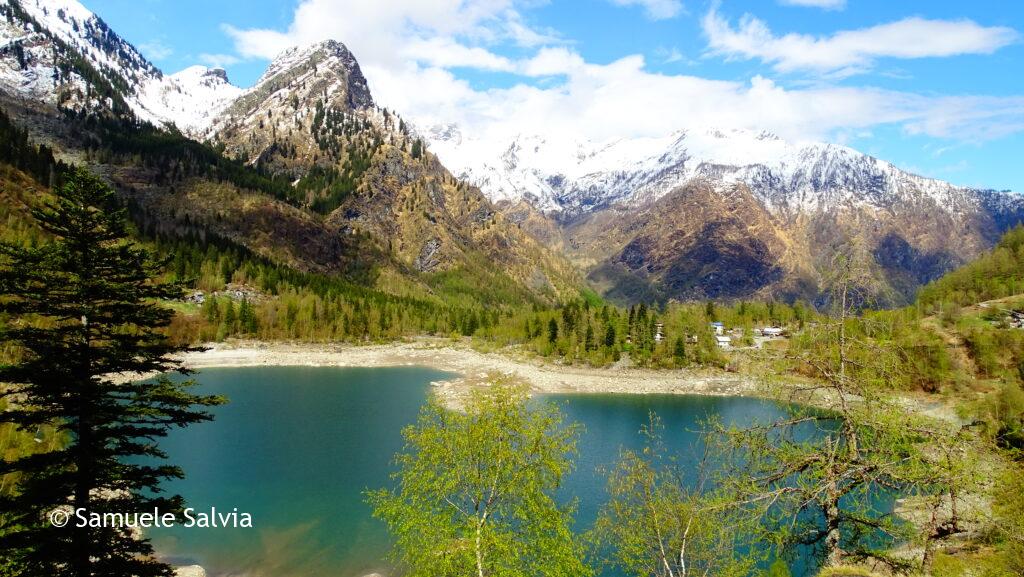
(81, 315)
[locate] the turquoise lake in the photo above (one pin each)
(297, 446)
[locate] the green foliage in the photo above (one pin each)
(661, 520)
(173, 158)
(916, 358)
(1009, 513)
(778, 568)
(998, 274)
(815, 477)
(996, 351)
(817, 472)
(598, 335)
(300, 305)
(18, 151)
(329, 187)
(475, 491)
(1005, 417)
(77, 310)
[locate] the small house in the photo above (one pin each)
(771, 332)
(723, 342)
(718, 327)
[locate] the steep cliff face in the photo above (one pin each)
(694, 243)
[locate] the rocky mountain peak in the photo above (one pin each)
(217, 75)
(304, 89)
(327, 67)
(60, 53)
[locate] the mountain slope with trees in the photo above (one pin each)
(303, 169)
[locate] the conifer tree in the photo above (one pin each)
(609, 336)
(82, 317)
(679, 351)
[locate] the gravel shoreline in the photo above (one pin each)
(473, 368)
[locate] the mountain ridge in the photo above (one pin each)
(638, 170)
(303, 167)
(355, 169)
(916, 227)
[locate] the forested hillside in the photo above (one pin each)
(277, 300)
(996, 274)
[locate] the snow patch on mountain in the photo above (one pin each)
(29, 64)
(190, 99)
(72, 23)
(569, 176)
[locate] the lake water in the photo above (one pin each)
(297, 446)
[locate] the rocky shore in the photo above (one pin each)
(474, 368)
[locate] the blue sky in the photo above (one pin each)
(935, 87)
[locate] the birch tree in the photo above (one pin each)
(474, 491)
(663, 519)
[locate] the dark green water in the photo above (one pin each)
(297, 446)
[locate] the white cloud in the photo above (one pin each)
(408, 50)
(445, 52)
(381, 31)
(551, 62)
(523, 35)
(673, 55)
(622, 99)
(218, 60)
(156, 50)
(256, 43)
(655, 9)
(852, 51)
(824, 4)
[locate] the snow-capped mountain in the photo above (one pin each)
(60, 53)
(710, 213)
(302, 168)
(569, 178)
(190, 99)
(695, 213)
